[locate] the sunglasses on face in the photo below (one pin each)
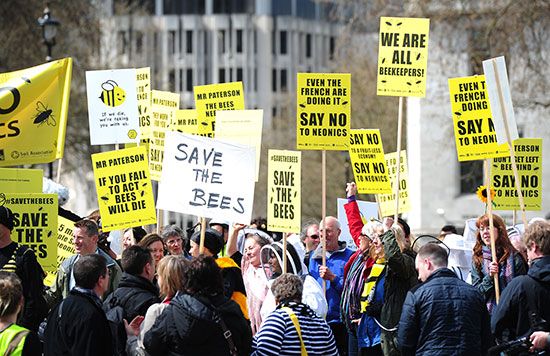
(315, 237)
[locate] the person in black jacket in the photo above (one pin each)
(444, 315)
(136, 291)
(198, 317)
(77, 325)
(524, 304)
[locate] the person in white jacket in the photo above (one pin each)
(272, 261)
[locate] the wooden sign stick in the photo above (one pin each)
(487, 164)
(396, 187)
(324, 210)
(203, 232)
(58, 176)
(284, 253)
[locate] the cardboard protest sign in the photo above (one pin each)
(143, 84)
(367, 209)
(368, 163)
(164, 106)
(243, 127)
(496, 78)
(124, 190)
(65, 245)
(402, 56)
(474, 129)
(207, 178)
(15, 180)
(185, 121)
(33, 113)
(529, 165)
(35, 224)
(112, 106)
(284, 190)
(213, 97)
(387, 201)
(323, 108)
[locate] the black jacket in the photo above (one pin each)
(523, 296)
(134, 294)
(187, 327)
(80, 328)
(444, 316)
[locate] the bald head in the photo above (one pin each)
(330, 229)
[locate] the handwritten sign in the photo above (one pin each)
(368, 163)
(35, 225)
(387, 201)
(124, 189)
(213, 97)
(207, 177)
(495, 70)
(185, 121)
(284, 191)
(65, 246)
(143, 83)
(164, 107)
(529, 164)
(112, 106)
(323, 111)
(243, 127)
(474, 129)
(15, 180)
(402, 56)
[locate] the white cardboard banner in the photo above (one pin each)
(493, 67)
(368, 210)
(208, 178)
(112, 106)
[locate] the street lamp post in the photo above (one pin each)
(49, 31)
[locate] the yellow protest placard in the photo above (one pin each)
(35, 224)
(284, 191)
(402, 56)
(33, 113)
(65, 246)
(387, 201)
(213, 97)
(475, 135)
(163, 107)
(143, 83)
(15, 180)
(242, 126)
(185, 121)
(124, 190)
(323, 109)
(368, 162)
(529, 165)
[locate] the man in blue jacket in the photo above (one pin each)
(333, 275)
(443, 315)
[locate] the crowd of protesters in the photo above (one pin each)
(246, 291)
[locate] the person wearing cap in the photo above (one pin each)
(85, 240)
(173, 239)
(444, 315)
(21, 260)
(233, 285)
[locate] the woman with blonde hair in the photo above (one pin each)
(171, 271)
(509, 262)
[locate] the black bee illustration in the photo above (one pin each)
(112, 95)
(44, 115)
(2, 199)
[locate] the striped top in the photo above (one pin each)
(278, 336)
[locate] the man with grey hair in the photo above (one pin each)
(442, 315)
(293, 328)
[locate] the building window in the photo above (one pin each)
(171, 42)
(255, 79)
(479, 50)
(239, 41)
(471, 176)
(205, 42)
(274, 80)
(172, 80)
(221, 41)
(230, 74)
(188, 41)
(180, 86)
(221, 75)
(283, 42)
(255, 41)
(239, 74)
(274, 112)
(308, 45)
(284, 82)
(121, 42)
(189, 80)
(139, 42)
(332, 47)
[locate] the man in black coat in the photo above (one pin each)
(443, 315)
(77, 325)
(524, 305)
(136, 291)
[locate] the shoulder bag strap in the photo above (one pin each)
(294, 319)
(226, 333)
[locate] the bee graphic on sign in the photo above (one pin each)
(45, 115)
(112, 95)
